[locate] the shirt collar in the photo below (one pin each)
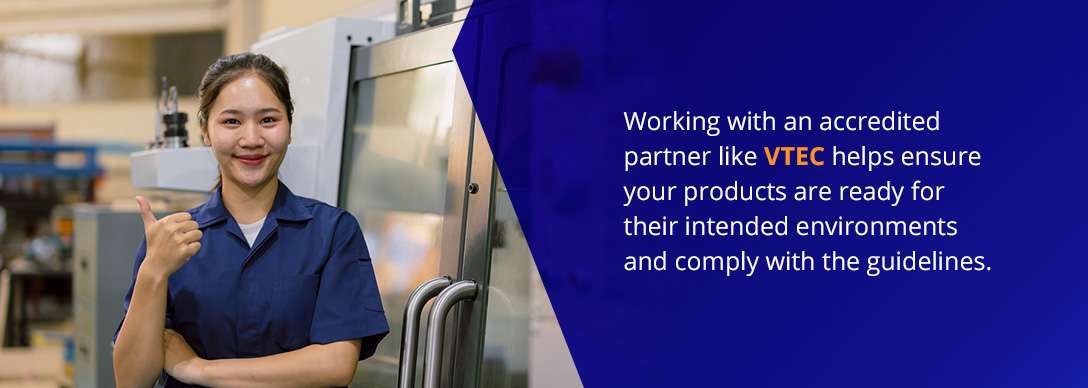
(287, 207)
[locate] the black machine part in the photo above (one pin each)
(175, 135)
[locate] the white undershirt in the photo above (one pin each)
(251, 230)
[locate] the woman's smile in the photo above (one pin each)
(251, 160)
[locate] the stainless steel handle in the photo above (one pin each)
(409, 338)
(432, 354)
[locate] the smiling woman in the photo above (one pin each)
(255, 92)
(256, 287)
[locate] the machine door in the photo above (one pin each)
(405, 167)
(459, 287)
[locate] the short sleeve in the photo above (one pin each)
(348, 303)
(141, 252)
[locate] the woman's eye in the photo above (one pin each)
(231, 122)
(268, 120)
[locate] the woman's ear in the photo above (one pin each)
(204, 137)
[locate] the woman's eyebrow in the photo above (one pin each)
(259, 111)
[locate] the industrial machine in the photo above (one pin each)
(385, 128)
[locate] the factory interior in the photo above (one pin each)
(91, 92)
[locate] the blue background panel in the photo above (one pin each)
(552, 80)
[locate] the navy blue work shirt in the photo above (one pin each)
(307, 280)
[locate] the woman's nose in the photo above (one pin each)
(251, 137)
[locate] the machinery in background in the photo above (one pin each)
(419, 174)
(167, 116)
(169, 163)
(105, 247)
(38, 179)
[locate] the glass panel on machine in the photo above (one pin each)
(396, 187)
(523, 345)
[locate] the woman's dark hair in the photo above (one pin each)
(229, 68)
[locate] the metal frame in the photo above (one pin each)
(471, 317)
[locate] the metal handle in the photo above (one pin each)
(409, 338)
(432, 356)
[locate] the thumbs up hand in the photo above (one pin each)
(171, 241)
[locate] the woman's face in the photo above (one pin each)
(248, 132)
